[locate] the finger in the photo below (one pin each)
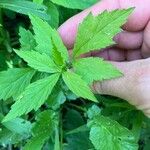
(116, 54)
(137, 21)
(83, 55)
(129, 40)
(134, 86)
(146, 42)
(134, 55)
(101, 53)
(113, 54)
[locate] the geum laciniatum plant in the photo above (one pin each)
(51, 68)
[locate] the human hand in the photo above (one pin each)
(132, 44)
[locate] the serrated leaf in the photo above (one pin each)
(42, 32)
(14, 81)
(26, 39)
(108, 134)
(59, 50)
(42, 130)
(41, 62)
(48, 39)
(95, 69)
(33, 97)
(25, 7)
(77, 4)
(98, 32)
(78, 86)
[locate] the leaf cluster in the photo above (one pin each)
(46, 97)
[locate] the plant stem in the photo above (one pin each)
(78, 107)
(61, 130)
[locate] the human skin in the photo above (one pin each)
(130, 54)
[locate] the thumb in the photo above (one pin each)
(134, 86)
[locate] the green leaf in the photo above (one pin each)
(77, 4)
(73, 119)
(108, 134)
(43, 35)
(52, 11)
(14, 81)
(48, 39)
(98, 32)
(42, 130)
(38, 1)
(95, 69)
(41, 62)
(19, 126)
(27, 40)
(59, 50)
(77, 141)
(78, 86)
(8, 137)
(33, 97)
(25, 7)
(93, 112)
(56, 98)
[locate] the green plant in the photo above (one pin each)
(48, 90)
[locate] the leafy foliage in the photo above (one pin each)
(106, 133)
(41, 62)
(49, 90)
(19, 126)
(26, 40)
(97, 31)
(38, 92)
(78, 4)
(41, 130)
(10, 85)
(53, 12)
(25, 7)
(95, 69)
(74, 81)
